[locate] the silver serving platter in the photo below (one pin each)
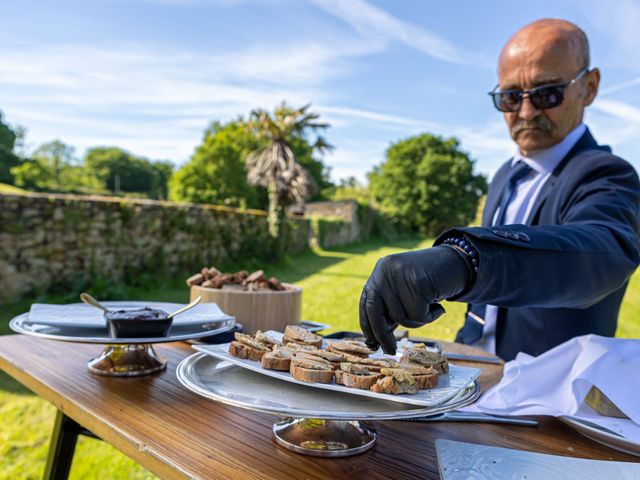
(448, 384)
(603, 436)
(22, 324)
(227, 383)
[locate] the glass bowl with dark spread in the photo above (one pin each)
(144, 322)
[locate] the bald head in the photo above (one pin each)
(547, 52)
(549, 36)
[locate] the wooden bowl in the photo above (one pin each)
(260, 310)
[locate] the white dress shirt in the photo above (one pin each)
(543, 162)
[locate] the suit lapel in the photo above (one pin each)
(585, 142)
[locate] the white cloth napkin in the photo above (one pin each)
(557, 382)
(85, 316)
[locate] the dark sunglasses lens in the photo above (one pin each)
(507, 101)
(547, 97)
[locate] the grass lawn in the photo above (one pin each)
(5, 188)
(332, 281)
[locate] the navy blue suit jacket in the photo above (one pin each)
(564, 273)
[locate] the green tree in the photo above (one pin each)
(427, 184)
(7, 136)
(216, 172)
(123, 172)
(274, 165)
(54, 168)
(163, 170)
(8, 159)
(32, 175)
(55, 156)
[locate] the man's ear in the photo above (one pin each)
(591, 84)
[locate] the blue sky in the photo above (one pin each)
(150, 75)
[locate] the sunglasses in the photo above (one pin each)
(542, 97)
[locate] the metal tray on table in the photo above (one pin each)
(230, 384)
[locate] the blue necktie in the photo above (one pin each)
(472, 331)
(518, 172)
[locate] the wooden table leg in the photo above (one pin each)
(62, 446)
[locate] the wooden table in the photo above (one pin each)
(177, 434)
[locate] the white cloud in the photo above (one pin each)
(191, 3)
(360, 114)
(74, 65)
(617, 124)
(156, 101)
(620, 86)
(378, 27)
(141, 97)
(621, 110)
(157, 104)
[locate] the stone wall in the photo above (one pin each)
(345, 209)
(334, 224)
(47, 240)
(345, 222)
(328, 232)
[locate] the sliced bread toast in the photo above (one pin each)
(297, 334)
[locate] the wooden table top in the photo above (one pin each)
(177, 434)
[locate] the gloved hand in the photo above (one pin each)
(405, 288)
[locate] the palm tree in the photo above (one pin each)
(274, 165)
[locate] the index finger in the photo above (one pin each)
(380, 325)
(364, 321)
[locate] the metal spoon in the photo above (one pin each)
(89, 300)
(185, 308)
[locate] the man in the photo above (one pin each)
(559, 239)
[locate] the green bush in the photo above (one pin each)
(427, 184)
(8, 159)
(126, 174)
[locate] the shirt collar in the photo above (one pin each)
(546, 160)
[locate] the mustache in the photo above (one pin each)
(542, 123)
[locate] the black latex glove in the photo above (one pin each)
(405, 288)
